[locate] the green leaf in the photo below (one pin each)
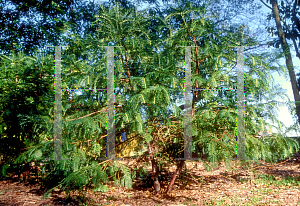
(148, 137)
(38, 154)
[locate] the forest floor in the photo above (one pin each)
(262, 184)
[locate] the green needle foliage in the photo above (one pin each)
(26, 95)
(149, 79)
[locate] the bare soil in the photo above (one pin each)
(196, 186)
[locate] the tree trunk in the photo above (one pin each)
(155, 171)
(174, 176)
(288, 57)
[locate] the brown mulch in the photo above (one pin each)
(235, 187)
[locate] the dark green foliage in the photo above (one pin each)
(31, 25)
(26, 93)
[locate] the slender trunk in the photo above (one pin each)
(174, 176)
(197, 72)
(155, 171)
(16, 81)
(288, 57)
(297, 23)
(126, 63)
(196, 96)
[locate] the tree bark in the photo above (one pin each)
(155, 169)
(288, 57)
(126, 62)
(174, 176)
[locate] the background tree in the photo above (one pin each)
(290, 21)
(26, 94)
(31, 25)
(284, 31)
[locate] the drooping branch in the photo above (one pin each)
(104, 110)
(265, 4)
(222, 135)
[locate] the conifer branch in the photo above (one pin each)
(101, 111)
(222, 135)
